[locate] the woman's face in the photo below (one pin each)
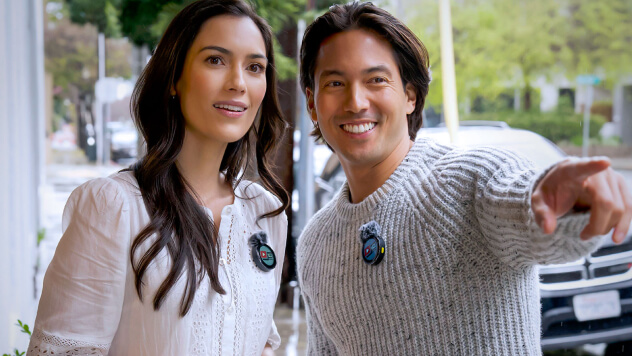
(223, 80)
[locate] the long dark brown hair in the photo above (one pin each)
(409, 52)
(176, 217)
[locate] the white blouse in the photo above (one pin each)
(89, 304)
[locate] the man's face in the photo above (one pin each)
(359, 100)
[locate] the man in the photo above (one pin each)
(428, 249)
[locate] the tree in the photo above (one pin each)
(506, 44)
(531, 35)
(599, 39)
(138, 19)
(498, 44)
(100, 13)
(71, 58)
(145, 21)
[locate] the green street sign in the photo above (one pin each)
(588, 79)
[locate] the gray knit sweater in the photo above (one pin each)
(459, 276)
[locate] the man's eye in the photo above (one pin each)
(378, 80)
(256, 68)
(333, 84)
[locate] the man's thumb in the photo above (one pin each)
(545, 217)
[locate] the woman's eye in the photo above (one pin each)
(256, 68)
(214, 60)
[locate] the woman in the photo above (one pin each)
(178, 255)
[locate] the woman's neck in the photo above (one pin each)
(199, 163)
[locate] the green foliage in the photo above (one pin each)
(163, 18)
(112, 24)
(137, 18)
(101, 13)
(556, 126)
(500, 44)
(598, 39)
(71, 56)
(17, 353)
(70, 53)
(286, 67)
(278, 13)
(41, 234)
(145, 22)
(25, 329)
(565, 105)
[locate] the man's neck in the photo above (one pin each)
(363, 180)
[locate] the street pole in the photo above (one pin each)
(305, 173)
(99, 114)
(450, 108)
(589, 81)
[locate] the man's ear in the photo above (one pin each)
(311, 109)
(411, 98)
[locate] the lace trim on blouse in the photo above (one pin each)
(46, 344)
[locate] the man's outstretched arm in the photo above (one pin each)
(530, 217)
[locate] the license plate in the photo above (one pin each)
(599, 305)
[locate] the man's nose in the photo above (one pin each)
(356, 99)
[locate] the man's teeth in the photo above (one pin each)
(361, 128)
(230, 107)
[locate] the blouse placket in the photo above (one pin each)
(227, 340)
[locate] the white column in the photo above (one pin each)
(305, 175)
(448, 76)
(21, 162)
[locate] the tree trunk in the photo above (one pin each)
(527, 97)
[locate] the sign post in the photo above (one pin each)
(589, 81)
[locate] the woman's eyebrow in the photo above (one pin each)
(229, 53)
(217, 48)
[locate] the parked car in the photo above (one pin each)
(584, 302)
(124, 141)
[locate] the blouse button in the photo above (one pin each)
(229, 210)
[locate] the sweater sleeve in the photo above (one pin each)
(504, 184)
(317, 341)
(84, 286)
